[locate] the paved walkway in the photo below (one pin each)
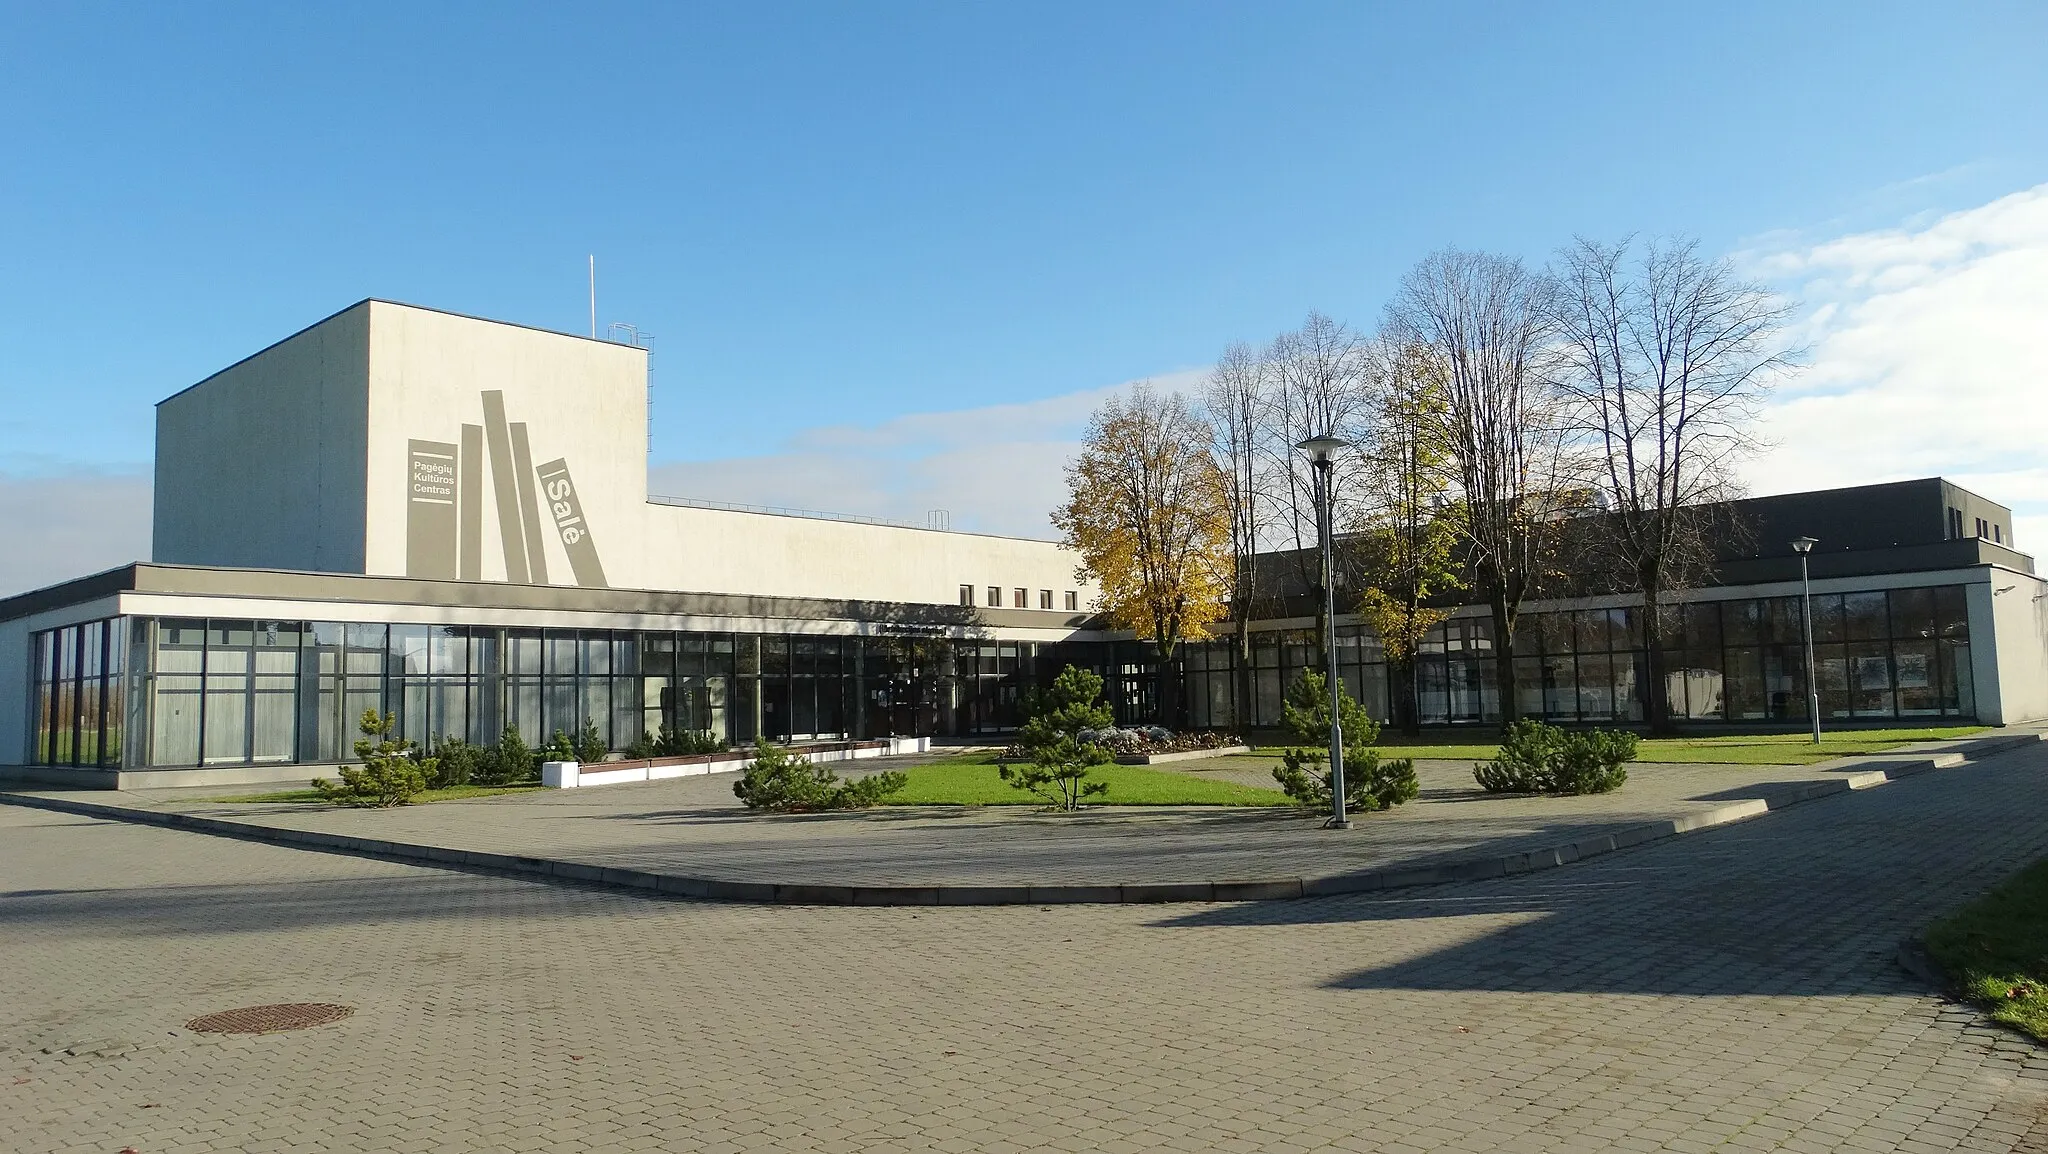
(1732, 990)
(692, 832)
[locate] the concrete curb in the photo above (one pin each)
(1255, 889)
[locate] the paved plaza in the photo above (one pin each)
(693, 829)
(1735, 990)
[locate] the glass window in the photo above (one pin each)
(1695, 684)
(1020, 598)
(1913, 616)
(1827, 618)
(1742, 622)
(1951, 613)
(967, 595)
(1870, 679)
(1915, 671)
(408, 650)
(1073, 601)
(995, 597)
(658, 654)
(597, 653)
(1703, 625)
(448, 649)
(560, 652)
(1045, 598)
(1864, 616)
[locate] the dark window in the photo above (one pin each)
(1021, 598)
(1073, 601)
(1045, 598)
(967, 595)
(995, 597)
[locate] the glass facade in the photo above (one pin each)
(169, 692)
(233, 692)
(1880, 654)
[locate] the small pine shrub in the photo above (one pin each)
(560, 747)
(1527, 751)
(685, 743)
(590, 748)
(1304, 771)
(459, 761)
(1592, 761)
(1051, 737)
(640, 748)
(781, 780)
(1539, 758)
(392, 773)
(510, 762)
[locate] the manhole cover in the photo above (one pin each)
(269, 1019)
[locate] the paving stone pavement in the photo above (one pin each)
(694, 827)
(1732, 990)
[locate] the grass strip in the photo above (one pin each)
(1996, 950)
(1728, 749)
(973, 781)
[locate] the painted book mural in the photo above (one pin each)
(444, 511)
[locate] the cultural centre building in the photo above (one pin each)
(448, 518)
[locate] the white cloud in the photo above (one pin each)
(998, 469)
(1928, 355)
(62, 525)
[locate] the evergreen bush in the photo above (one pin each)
(1539, 758)
(392, 771)
(509, 762)
(1060, 757)
(1304, 770)
(781, 780)
(590, 748)
(685, 743)
(458, 760)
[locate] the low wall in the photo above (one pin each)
(571, 775)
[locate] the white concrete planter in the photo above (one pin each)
(1190, 755)
(570, 775)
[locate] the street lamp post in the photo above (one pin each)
(1803, 546)
(1322, 452)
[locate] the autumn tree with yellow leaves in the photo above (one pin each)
(1147, 513)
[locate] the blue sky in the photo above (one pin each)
(834, 216)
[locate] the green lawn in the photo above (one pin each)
(452, 793)
(1731, 749)
(973, 781)
(1996, 950)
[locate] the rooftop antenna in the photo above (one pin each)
(593, 296)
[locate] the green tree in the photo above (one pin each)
(1408, 526)
(1304, 770)
(392, 771)
(590, 748)
(1147, 515)
(1051, 733)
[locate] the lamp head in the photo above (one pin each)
(1323, 450)
(1803, 544)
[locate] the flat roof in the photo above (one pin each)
(366, 301)
(360, 589)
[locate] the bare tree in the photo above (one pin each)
(1485, 319)
(1237, 399)
(1665, 359)
(1318, 390)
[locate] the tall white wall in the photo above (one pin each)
(716, 551)
(392, 440)
(261, 464)
(2019, 623)
(581, 401)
